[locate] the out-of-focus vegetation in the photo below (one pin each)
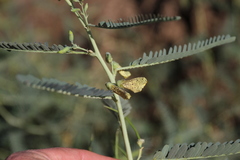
(190, 100)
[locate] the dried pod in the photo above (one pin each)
(136, 84)
(121, 92)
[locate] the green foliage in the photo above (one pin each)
(175, 52)
(198, 151)
(39, 47)
(112, 106)
(136, 21)
(28, 47)
(54, 85)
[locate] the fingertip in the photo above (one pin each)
(27, 155)
(57, 154)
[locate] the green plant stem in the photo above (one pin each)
(124, 128)
(119, 105)
(100, 58)
(140, 153)
(134, 128)
(116, 144)
(112, 79)
(82, 16)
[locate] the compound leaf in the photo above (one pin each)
(54, 85)
(198, 151)
(35, 47)
(177, 52)
(134, 21)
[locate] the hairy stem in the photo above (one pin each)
(119, 105)
(100, 58)
(116, 144)
(124, 128)
(82, 16)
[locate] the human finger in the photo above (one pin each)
(57, 154)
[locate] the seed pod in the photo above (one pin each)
(136, 84)
(121, 92)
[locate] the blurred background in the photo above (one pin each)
(190, 100)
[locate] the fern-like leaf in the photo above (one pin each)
(174, 53)
(31, 47)
(38, 48)
(198, 151)
(134, 21)
(54, 85)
